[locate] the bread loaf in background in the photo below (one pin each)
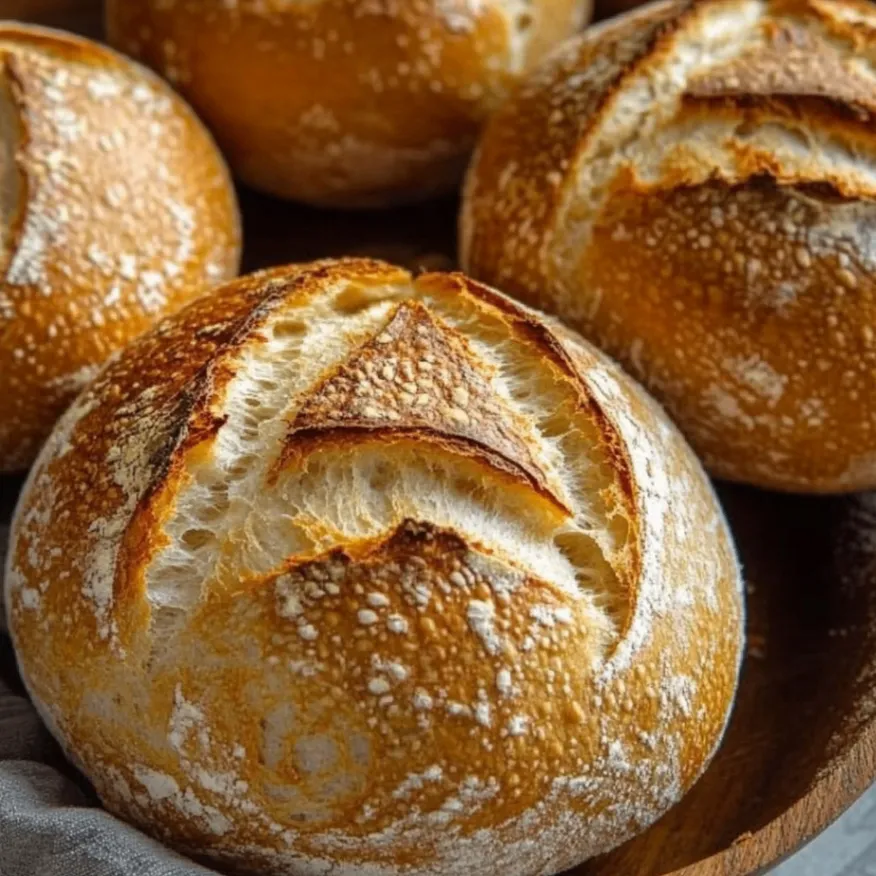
(691, 186)
(115, 209)
(348, 103)
(343, 569)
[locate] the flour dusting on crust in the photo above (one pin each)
(325, 631)
(123, 211)
(691, 186)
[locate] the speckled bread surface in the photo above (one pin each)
(115, 209)
(691, 186)
(351, 103)
(344, 571)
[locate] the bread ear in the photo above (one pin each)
(417, 379)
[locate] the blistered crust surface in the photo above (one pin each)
(123, 212)
(322, 630)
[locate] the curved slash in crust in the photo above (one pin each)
(14, 180)
(417, 379)
(537, 330)
(553, 340)
(794, 70)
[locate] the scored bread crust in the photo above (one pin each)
(115, 208)
(691, 186)
(342, 569)
(350, 103)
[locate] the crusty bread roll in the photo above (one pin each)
(350, 103)
(115, 208)
(692, 187)
(339, 568)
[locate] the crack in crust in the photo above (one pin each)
(14, 181)
(417, 379)
(791, 61)
(335, 419)
(618, 106)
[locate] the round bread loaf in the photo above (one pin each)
(350, 103)
(340, 570)
(692, 187)
(115, 208)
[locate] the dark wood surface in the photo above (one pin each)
(800, 746)
(80, 15)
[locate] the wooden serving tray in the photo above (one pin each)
(800, 746)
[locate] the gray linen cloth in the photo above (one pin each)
(50, 824)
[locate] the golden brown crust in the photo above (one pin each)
(852, 21)
(792, 70)
(533, 139)
(391, 387)
(778, 344)
(344, 102)
(729, 165)
(126, 213)
(379, 656)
